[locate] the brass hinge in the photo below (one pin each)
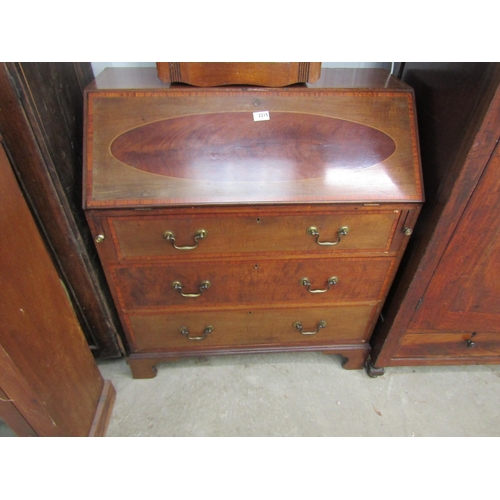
(419, 303)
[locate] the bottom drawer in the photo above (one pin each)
(452, 345)
(193, 331)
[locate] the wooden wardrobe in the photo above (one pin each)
(41, 121)
(50, 384)
(444, 308)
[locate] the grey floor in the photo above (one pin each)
(301, 394)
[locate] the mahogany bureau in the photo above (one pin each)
(242, 219)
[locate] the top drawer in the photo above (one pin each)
(185, 236)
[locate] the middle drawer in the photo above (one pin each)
(230, 282)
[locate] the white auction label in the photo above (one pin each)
(260, 116)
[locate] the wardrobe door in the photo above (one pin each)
(463, 293)
(50, 384)
(41, 121)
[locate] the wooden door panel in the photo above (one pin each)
(465, 288)
(41, 112)
(13, 418)
(46, 368)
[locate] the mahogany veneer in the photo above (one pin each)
(41, 122)
(50, 384)
(444, 307)
(211, 226)
(211, 74)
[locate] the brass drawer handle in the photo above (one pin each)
(298, 326)
(333, 280)
(204, 285)
(201, 234)
(207, 330)
(342, 231)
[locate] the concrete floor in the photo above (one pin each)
(301, 394)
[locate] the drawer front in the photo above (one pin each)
(196, 331)
(158, 236)
(228, 282)
(451, 345)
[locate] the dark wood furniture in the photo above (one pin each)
(213, 74)
(444, 306)
(41, 120)
(220, 233)
(49, 382)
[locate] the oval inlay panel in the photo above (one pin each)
(229, 147)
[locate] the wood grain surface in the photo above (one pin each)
(46, 367)
(255, 281)
(211, 74)
(41, 121)
(230, 147)
(449, 283)
(370, 230)
(440, 345)
(304, 216)
(255, 327)
(208, 132)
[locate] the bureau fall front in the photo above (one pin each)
(248, 219)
